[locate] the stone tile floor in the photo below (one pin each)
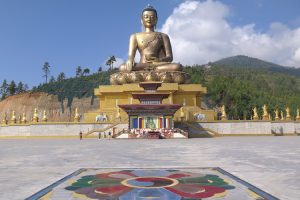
(270, 163)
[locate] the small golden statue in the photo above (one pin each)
(182, 115)
(298, 115)
(255, 115)
(76, 116)
(44, 119)
(35, 117)
(13, 119)
(281, 115)
(288, 114)
(20, 119)
(223, 111)
(23, 120)
(118, 115)
(265, 113)
(277, 115)
(5, 121)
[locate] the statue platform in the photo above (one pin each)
(116, 101)
(149, 76)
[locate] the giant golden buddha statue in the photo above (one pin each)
(155, 56)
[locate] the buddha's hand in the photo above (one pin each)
(150, 58)
(129, 65)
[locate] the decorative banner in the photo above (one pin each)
(141, 122)
(133, 122)
(173, 184)
(160, 124)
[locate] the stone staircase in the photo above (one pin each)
(118, 125)
(195, 130)
(174, 134)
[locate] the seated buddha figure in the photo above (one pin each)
(154, 47)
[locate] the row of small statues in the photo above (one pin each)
(35, 118)
(266, 115)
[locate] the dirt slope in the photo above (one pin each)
(56, 111)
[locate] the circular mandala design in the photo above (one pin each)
(150, 182)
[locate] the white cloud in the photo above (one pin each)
(200, 33)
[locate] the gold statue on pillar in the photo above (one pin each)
(76, 116)
(5, 121)
(288, 114)
(265, 113)
(223, 111)
(255, 115)
(118, 115)
(13, 119)
(298, 115)
(155, 55)
(20, 119)
(277, 115)
(23, 120)
(44, 119)
(35, 117)
(181, 114)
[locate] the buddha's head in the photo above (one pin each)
(149, 17)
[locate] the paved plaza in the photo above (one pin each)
(269, 163)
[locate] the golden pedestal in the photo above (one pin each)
(187, 95)
(223, 118)
(266, 118)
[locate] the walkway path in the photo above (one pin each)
(270, 163)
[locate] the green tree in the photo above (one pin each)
(26, 87)
(86, 71)
(20, 88)
(61, 76)
(12, 88)
(46, 70)
(4, 89)
(78, 71)
(52, 79)
(110, 62)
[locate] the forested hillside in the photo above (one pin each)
(81, 86)
(239, 82)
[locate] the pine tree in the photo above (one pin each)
(12, 88)
(46, 70)
(78, 71)
(4, 89)
(61, 76)
(20, 88)
(52, 79)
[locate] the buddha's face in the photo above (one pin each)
(149, 19)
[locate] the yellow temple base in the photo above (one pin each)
(187, 95)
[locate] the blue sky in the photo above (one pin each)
(71, 33)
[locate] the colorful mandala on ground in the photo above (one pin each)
(145, 184)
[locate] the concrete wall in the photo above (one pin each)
(284, 128)
(50, 129)
(220, 127)
(297, 128)
(251, 127)
(238, 128)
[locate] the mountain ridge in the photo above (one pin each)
(255, 63)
